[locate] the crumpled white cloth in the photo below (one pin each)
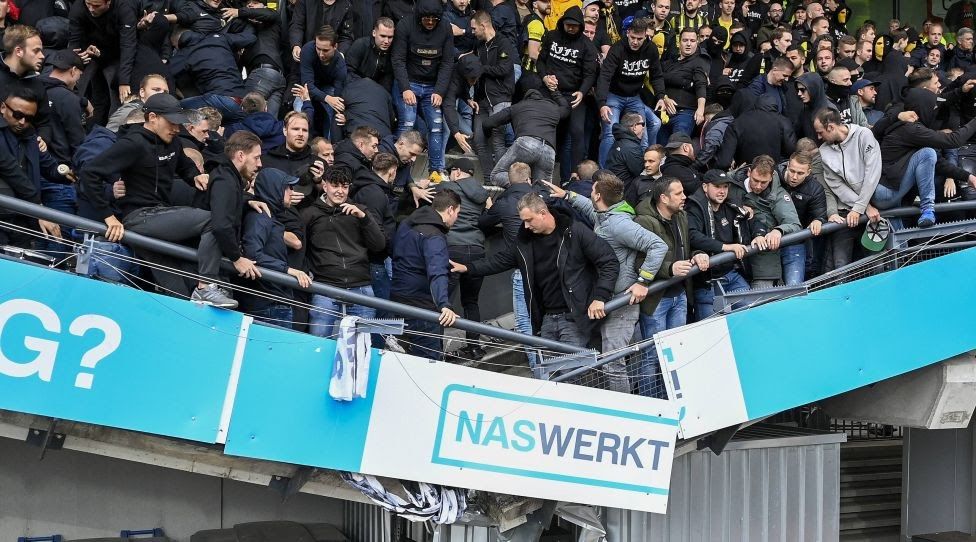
(425, 502)
(350, 368)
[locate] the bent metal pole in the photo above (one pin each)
(184, 253)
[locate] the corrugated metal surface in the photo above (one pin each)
(756, 491)
(365, 523)
(781, 494)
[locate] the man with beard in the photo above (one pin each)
(294, 157)
(717, 225)
(774, 19)
(232, 175)
(148, 158)
(22, 61)
(691, 17)
(824, 61)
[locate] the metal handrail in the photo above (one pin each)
(277, 277)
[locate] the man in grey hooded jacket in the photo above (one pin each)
(614, 220)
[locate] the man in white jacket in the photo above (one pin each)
(851, 159)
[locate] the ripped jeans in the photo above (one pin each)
(407, 118)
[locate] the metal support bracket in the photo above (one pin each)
(385, 326)
(548, 366)
(45, 439)
(297, 482)
(899, 236)
(280, 484)
(726, 301)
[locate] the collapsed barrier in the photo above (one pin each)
(185, 253)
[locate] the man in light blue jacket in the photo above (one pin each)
(614, 222)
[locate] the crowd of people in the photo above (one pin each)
(609, 144)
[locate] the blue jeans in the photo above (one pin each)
(920, 173)
(533, 151)
(228, 108)
(618, 106)
(523, 322)
(325, 322)
(682, 122)
(269, 83)
(425, 345)
(277, 315)
(705, 297)
(60, 197)
(407, 117)
(670, 313)
(794, 258)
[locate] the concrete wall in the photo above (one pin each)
(84, 496)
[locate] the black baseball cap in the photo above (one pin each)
(677, 140)
(716, 176)
(464, 164)
(166, 105)
(65, 60)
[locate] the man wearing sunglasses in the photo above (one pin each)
(626, 158)
(22, 164)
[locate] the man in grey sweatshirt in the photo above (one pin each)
(614, 222)
(851, 159)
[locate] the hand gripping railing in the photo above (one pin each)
(801, 236)
(189, 254)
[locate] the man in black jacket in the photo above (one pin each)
(716, 225)
(69, 109)
(762, 130)
(211, 61)
(341, 235)
(295, 158)
(105, 34)
(810, 202)
(262, 59)
(367, 103)
(356, 152)
(149, 158)
(422, 65)
(908, 155)
(535, 120)
(22, 61)
(681, 164)
(623, 73)
(568, 63)
(626, 158)
(369, 56)
(311, 15)
(566, 293)
(420, 271)
(685, 85)
(231, 176)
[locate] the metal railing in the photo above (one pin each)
(184, 253)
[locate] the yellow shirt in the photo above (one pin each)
(728, 30)
(558, 9)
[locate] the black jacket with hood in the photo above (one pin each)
(626, 157)
(818, 100)
(349, 156)
(534, 116)
(900, 140)
(423, 56)
(295, 163)
(343, 17)
(709, 230)
(587, 269)
(224, 199)
(145, 162)
(69, 108)
(262, 239)
(339, 245)
(365, 60)
(809, 197)
(375, 194)
(763, 130)
(624, 71)
(572, 59)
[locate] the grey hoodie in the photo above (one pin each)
(627, 238)
(852, 168)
